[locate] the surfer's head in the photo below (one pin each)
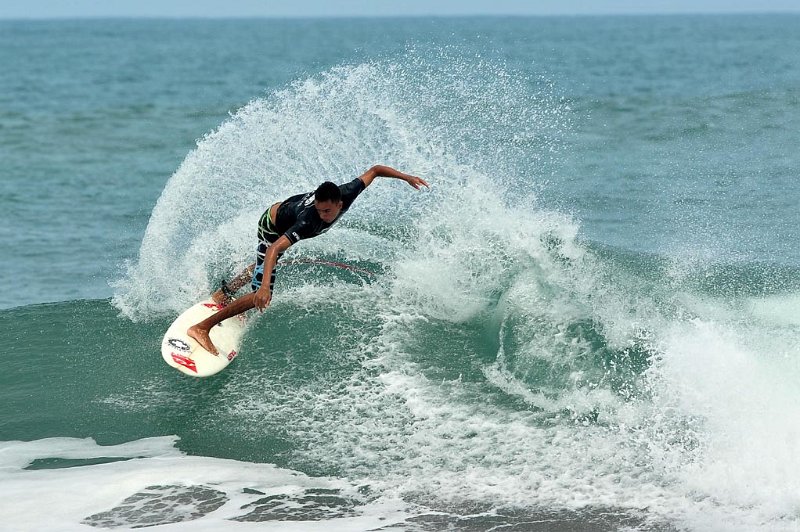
(328, 201)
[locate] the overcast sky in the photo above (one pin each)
(349, 8)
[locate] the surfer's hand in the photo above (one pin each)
(416, 182)
(262, 298)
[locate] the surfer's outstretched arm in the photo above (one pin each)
(380, 170)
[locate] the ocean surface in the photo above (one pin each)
(590, 322)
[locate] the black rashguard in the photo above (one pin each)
(298, 219)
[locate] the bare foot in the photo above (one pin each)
(201, 337)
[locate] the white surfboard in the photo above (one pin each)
(183, 353)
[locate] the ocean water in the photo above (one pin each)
(591, 321)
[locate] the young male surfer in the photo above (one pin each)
(285, 223)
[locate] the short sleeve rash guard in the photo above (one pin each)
(297, 218)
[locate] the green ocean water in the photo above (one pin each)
(590, 322)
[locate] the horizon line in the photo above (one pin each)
(80, 17)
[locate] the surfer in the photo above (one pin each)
(285, 223)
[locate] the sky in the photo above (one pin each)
(37, 9)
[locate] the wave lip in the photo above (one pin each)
(499, 358)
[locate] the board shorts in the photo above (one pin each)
(267, 235)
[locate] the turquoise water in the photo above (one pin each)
(590, 321)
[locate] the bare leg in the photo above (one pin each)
(242, 279)
(222, 298)
(200, 331)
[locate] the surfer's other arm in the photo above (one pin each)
(380, 170)
(263, 295)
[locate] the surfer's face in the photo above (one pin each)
(328, 210)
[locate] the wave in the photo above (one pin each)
(496, 358)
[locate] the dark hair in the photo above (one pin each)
(328, 191)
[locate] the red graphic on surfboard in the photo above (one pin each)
(184, 361)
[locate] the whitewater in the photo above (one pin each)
(508, 361)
